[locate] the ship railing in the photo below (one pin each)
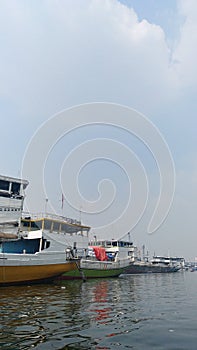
(37, 216)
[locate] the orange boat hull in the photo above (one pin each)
(23, 274)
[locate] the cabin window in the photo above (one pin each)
(63, 228)
(4, 185)
(26, 223)
(16, 188)
(47, 224)
(36, 224)
(56, 226)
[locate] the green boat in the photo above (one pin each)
(104, 260)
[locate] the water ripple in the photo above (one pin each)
(130, 312)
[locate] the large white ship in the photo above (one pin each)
(34, 249)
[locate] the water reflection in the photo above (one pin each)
(50, 314)
(98, 314)
(100, 300)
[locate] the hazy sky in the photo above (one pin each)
(138, 53)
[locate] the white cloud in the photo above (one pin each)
(56, 54)
(185, 53)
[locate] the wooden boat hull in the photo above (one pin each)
(90, 273)
(90, 269)
(32, 274)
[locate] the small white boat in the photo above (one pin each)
(103, 259)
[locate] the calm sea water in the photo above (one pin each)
(153, 311)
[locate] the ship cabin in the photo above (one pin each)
(112, 243)
(53, 224)
(120, 249)
(11, 201)
(12, 187)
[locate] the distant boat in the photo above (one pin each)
(157, 265)
(193, 268)
(103, 259)
(34, 249)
